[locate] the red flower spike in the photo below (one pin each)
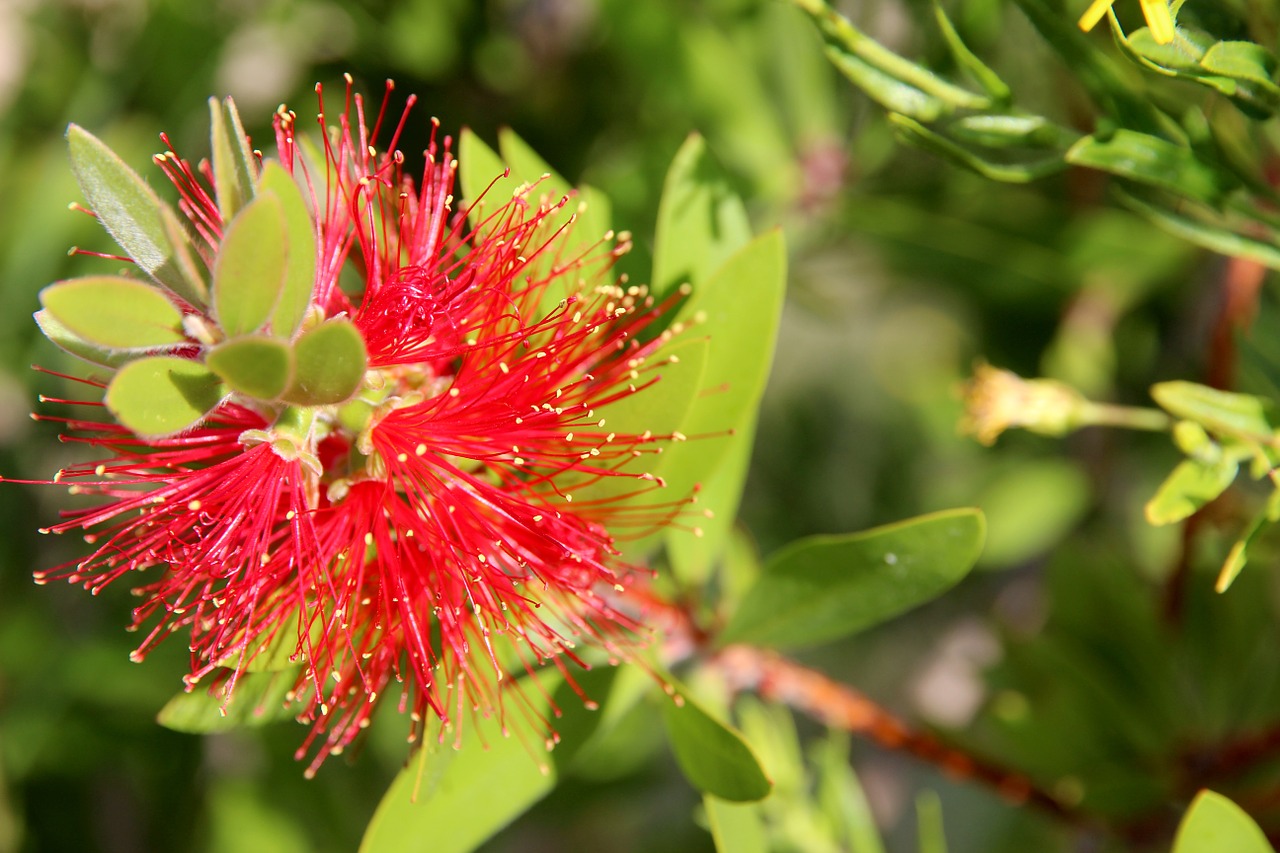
(439, 530)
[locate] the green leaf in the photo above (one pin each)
(1243, 60)
(163, 395)
(1221, 412)
(661, 409)
(258, 698)
(842, 799)
(736, 827)
(885, 89)
(450, 801)
(69, 341)
(1204, 234)
(330, 362)
(479, 166)
(701, 221)
(1214, 824)
(135, 217)
(714, 758)
(848, 46)
(997, 90)
(115, 313)
(256, 365)
(739, 309)
(693, 554)
(1029, 507)
(300, 269)
(929, 831)
(1191, 485)
(1150, 160)
(825, 587)
(1015, 173)
(249, 272)
(233, 163)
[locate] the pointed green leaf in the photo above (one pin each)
(329, 364)
(69, 341)
(739, 309)
(714, 758)
(300, 273)
(478, 167)
(135, 217)
(1243, 60)
(1221, 412)
(1214, 824)
(249, 272)
(1150, 160)
(660, 409)
(1208, 235)
(233, 163)
(444, 802)
(886, 90)
(163, 395)
(701, 221)
(825, 587)
(997, 90)
(256, 365)
(736, 827)
(930, 835)
(258, 698)
(1191, 485)
(1014, 173)
(113, 312)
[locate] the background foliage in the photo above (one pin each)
(1090, 652)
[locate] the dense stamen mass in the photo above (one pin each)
(453, 521)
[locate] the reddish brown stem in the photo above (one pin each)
(806, 690)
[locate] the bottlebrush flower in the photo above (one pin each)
(356, 426)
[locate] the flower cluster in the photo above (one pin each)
(421, 509)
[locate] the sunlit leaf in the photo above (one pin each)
(825, 587)
(163, 395)
(258, 698)
(115, 313)
(447, 802)
(1221, 412)
(1214, 824)
(256, 365)
(736, 827)
(715, 759)
(135, 217)
(300, 268)
(234, 167)
(70, 342)
(329, 364)
(249, 273)
(1191, 485)
(701, 221)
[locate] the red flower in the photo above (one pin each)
(452, 523)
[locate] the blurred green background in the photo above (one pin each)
(903, 271)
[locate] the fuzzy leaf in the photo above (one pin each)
(135, 217)
(249, 272)
(330, 362)
(825, 587)
(163, 395)
(444, 802)
(68, 341)
(715, 759)
(258, 699)
(1214, 824)
(1243, 60)
(256, 365)
(233, 163)
(701, 221)
(113, 312)
(300, 272)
